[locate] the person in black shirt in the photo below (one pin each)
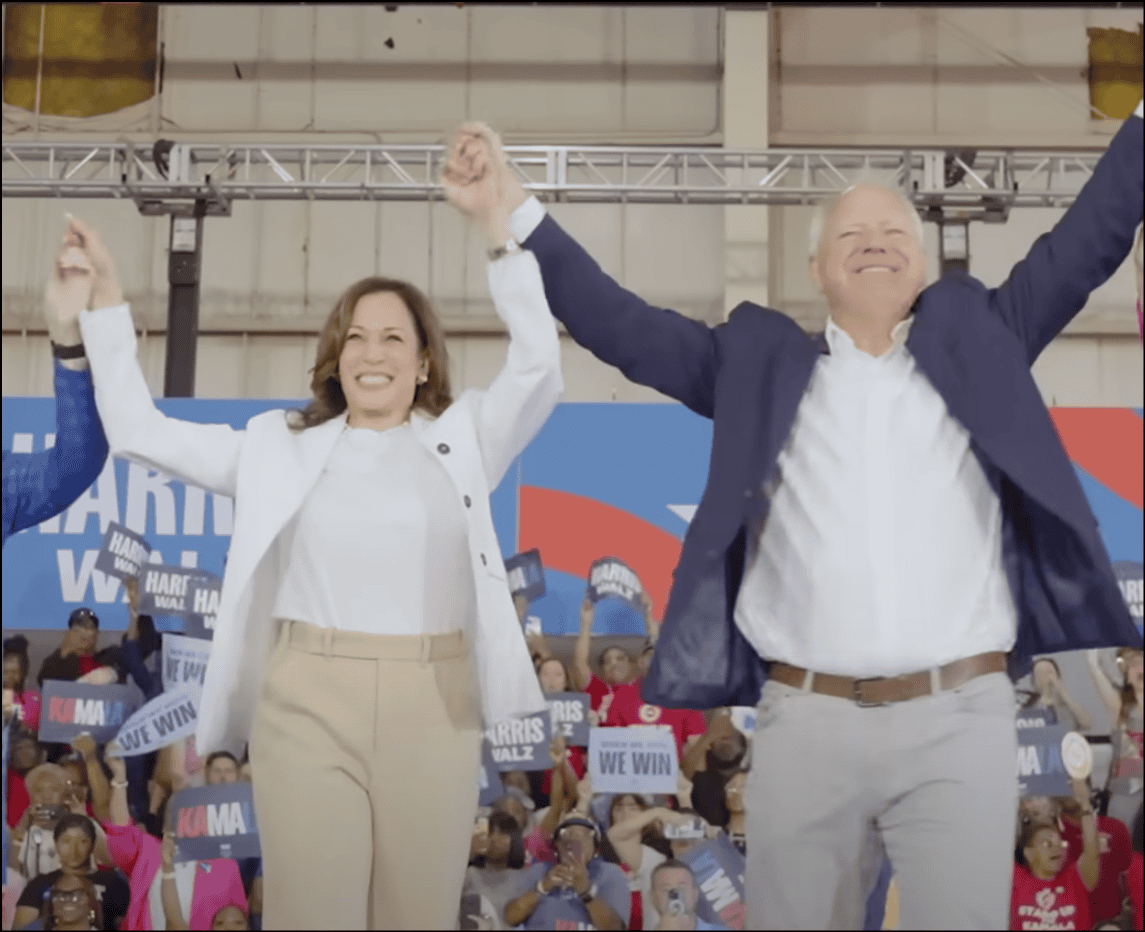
(727, 748)
(75, 841)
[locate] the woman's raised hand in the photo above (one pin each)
(68, 292)
(105, 290)
(478, 181)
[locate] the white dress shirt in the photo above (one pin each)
(882, 550)
(380, 544)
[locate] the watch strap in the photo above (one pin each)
(510, 248)
(68, 352)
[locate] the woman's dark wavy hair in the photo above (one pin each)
(17, 646)
(329, 400)
(506, 825)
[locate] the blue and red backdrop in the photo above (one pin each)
(600, 479)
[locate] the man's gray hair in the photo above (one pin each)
(824, 208)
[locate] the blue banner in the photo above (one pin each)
(215, 822)
(619, 479)
(70, 709)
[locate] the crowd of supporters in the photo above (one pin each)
(91, 845)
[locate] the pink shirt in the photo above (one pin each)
(140, 857)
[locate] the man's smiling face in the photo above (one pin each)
(871, 263)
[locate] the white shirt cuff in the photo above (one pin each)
(525, 219)
(1137, 112)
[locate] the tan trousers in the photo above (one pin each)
(364, 752)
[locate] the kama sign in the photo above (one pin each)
(216, 822)
(619, 479)
(69, 709)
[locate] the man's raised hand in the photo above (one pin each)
(478, 181)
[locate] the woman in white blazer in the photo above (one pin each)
(365, 632)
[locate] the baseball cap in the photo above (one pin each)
(83, 614)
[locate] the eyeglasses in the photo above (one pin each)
(69, 896)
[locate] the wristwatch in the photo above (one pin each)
(67, 352)
(589, 895)
(510, 248)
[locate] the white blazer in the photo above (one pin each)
(268, 470)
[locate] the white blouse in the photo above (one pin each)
(380, 544)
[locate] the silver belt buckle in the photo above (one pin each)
(865, 703)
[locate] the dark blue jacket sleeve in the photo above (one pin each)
(1049, 287)
(652, 346)
(38, 486)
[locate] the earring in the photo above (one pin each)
(423, 380)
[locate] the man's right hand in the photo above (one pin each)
(105, 289)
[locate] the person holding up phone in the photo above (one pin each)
(579, 888)
(33, 850)
(676, 893)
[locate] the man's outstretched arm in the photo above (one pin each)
(1049, 287)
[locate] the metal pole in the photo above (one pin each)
(953, 246)
(184, 262)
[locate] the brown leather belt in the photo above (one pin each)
(882, 690)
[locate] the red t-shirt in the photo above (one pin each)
(1135, 888)
(1114, 852)
(630, 709)
(18, 800)
(1060, 903)
(87, 664)
(597, 689)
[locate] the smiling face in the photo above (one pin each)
(871, 264)
(625, 807)
(70, 903)
(381, 362)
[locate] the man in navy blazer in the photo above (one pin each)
(851, 567)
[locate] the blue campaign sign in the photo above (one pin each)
(489, 785)
(718, 868)
(616, 479)
(215, 822)
(1041, 770)
(570, 716)
(70, 709)
(521, 743)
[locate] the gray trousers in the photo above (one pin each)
(932, 781)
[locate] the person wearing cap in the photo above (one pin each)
(580, 887)
(38, 486)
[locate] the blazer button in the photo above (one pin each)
(443, 448)
(484, 562)
(468, 501)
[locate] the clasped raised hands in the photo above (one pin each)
(478, 181)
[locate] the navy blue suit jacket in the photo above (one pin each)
(975, 344)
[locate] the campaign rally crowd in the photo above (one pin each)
(91, 844)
